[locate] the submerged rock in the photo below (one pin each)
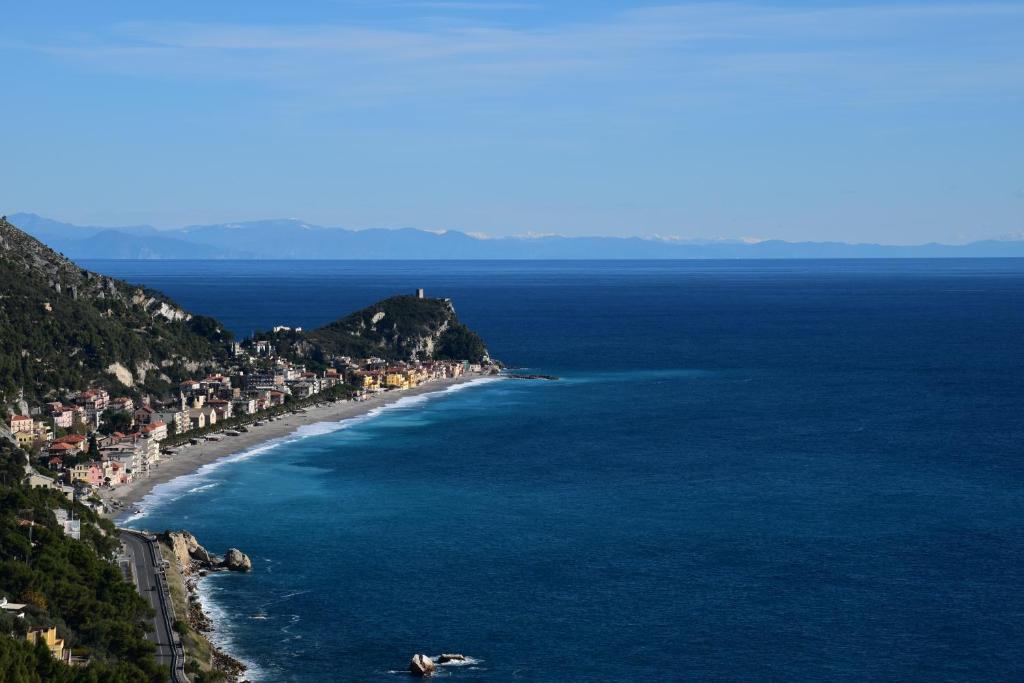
(421, 665)
(448, 657)
(236, 561)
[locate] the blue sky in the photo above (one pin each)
(863, 121)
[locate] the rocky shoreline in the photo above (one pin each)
(193, 562)
(232, 668)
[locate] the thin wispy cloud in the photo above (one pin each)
(468, 6)
(915, 49)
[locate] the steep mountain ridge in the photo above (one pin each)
(64, 327)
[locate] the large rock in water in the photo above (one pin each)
(191, 555)
(236, 561)
(421, 665)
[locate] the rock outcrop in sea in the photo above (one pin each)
(193, 557)
(237, 561)
(422, 666)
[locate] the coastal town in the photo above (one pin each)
(109, 390)
(91, 442)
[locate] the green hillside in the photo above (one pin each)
(70, 584)
(63, 327)
(401, 328)
(398, 328)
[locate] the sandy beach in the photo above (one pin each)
(188, 459)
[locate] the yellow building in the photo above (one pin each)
(371, 381)
(48, 636)
(24, 439)
(396, 380)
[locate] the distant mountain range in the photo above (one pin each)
(294, 239)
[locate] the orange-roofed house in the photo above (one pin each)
(155, 430)
(76, 442)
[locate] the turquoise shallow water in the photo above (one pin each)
(793, 471)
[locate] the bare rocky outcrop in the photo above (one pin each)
(422, 666)
(143, 367)
(123, 374)
(191, 555)
(237, 561)
(194, 558)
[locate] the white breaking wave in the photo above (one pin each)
(474, 383)
(222, 634)
(178, 487)
(468, 661)
(194, 482)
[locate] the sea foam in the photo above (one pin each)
(199, 480)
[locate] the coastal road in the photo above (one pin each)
(145, 559)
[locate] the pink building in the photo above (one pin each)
(62, 417)
(21, 423)
(89, 472)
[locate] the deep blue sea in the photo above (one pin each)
(786, 471)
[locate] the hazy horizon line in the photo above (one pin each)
(524, 235)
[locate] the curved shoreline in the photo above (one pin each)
(189, 460)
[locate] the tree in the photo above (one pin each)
(77, 426)
(119, 421)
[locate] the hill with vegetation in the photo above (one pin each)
(63, 327)
(399, 328)
(71, 584)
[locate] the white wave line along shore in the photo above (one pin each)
(177, 474)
